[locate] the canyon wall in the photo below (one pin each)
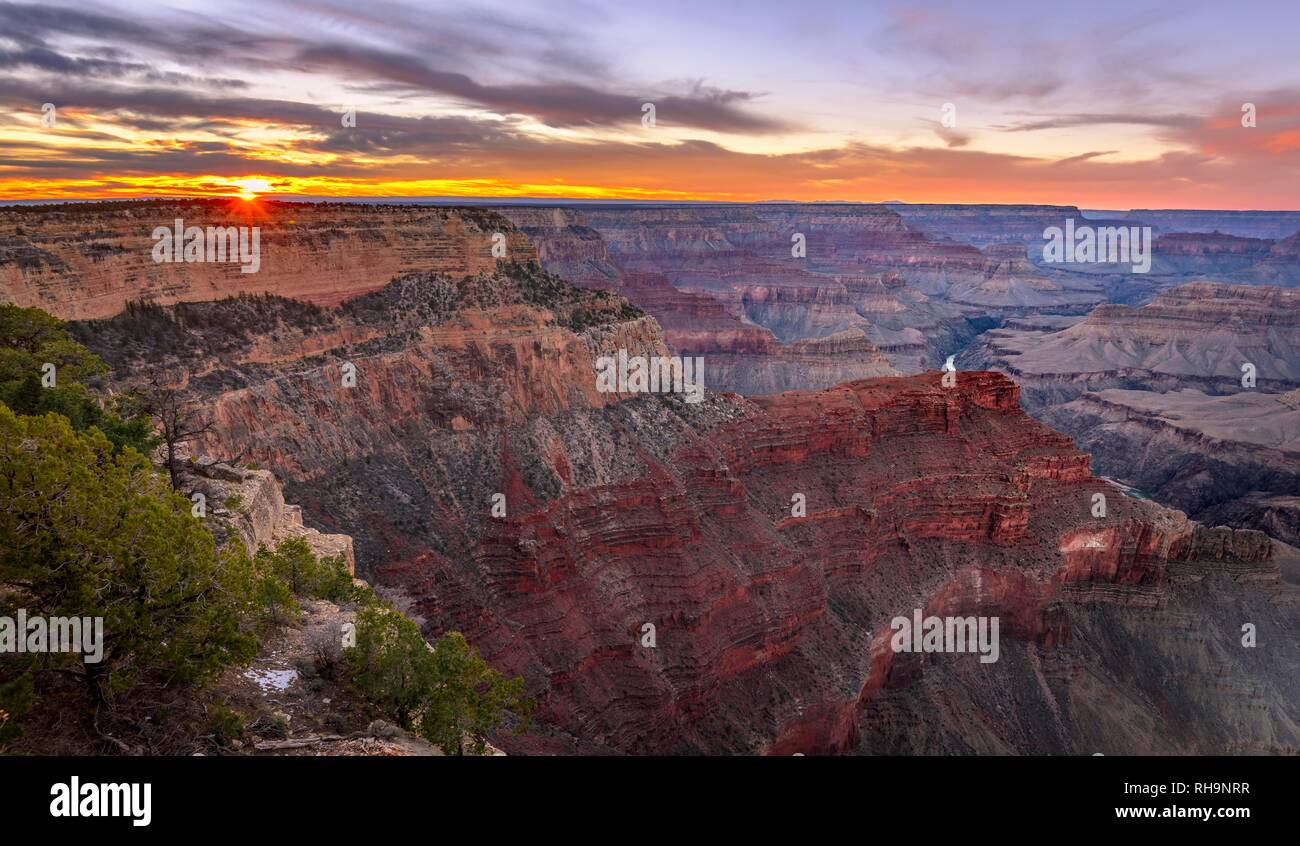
(740, 355)
(87, 260)
(249, 504)
(1196, 335)
(1225, 460)
(721, 576)
(1275, 225)
(982, 225)
(728, 272)
(1157, 394)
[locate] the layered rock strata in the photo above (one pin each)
(88, 260)
(721, 576)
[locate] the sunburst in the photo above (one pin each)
(249, 189)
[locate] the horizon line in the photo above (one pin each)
(479, 200)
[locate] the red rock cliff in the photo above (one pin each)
(768, 542)
(87, 261)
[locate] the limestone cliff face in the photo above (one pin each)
(1217, 256)
(250, 504)
(842, 357)
(1211, 245)
(496, 368)
(87, 261)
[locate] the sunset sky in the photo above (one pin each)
(1111, 105)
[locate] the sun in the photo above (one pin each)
(250, 188)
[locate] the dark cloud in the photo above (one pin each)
(32, 23)
(50, 61)
(126, 104)
(462, 36)
(1135, 119)
(952, 137)
(556, 103)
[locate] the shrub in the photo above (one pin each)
(273, 601)
(89, 532)
(290, 571)
(334, 582)
(293, 563)
(226, 724)
(469, 698)
(325, 654)
(451, 692)
(390, 663)
(30, 339)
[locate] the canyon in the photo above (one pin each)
(1195, 335)
(405, 384)
(862, 270)
(771, 626)
(1160, 396)
(1229, 460)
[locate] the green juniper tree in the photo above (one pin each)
(469, 698)
(87, 531)
(36, 351)
(448, 692)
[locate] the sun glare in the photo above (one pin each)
(249, 189)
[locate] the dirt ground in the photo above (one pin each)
(293, 707)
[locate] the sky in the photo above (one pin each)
(1108, 105)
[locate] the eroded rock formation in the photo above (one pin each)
(768, 541)
(916, 298)
(88, 260)
(1160, 396)
(250, 504)
(1197, 335)
(1232, 459)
